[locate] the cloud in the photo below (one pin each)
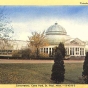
(21, 31)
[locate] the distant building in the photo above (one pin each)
(8, 46)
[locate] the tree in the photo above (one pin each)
(37, 40)
(62, 49)
(16, 54)
(24, 53)
(85, 69)
(58, 70)
(6, 29)
(5, 44)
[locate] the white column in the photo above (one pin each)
(84, 51)
(51, 50)
(74, 51)
(69, 50)
(43, 50)
(79, 51)
(40, 50)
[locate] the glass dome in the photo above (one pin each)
(56, 34)
(56, 30)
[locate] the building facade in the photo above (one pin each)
(8, 46)
(56, 34)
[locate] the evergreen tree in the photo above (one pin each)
(62, 49)
(85, 69)
(58, 70)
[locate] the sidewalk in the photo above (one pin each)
(37, 61)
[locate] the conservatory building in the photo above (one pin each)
(56, 34)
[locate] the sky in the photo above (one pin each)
(27, 19)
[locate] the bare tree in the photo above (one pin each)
(37, 40)
(5, 26)
(5, 30)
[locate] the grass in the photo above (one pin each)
(37, 73)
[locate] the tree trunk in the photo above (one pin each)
(37, 53)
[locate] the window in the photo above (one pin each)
(71, 51)
(46, 50)
(50, 53)
(5, 52)
(81, 51)
(41, 50)
(77, 51)
(67, 51)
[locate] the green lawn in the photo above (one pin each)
(37, 73)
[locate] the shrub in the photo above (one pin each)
(58, 70)
(16, 53)
(62, 49)
(25, 53)
(85, 69)
(44, 55)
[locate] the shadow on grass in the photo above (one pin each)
(75, 82)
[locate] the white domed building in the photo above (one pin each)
(56, 34)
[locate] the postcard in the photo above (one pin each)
(43, 44)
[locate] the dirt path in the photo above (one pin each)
(37, 61)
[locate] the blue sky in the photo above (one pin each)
(26, 19)
(45, 11)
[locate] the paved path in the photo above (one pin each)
(37, 61)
